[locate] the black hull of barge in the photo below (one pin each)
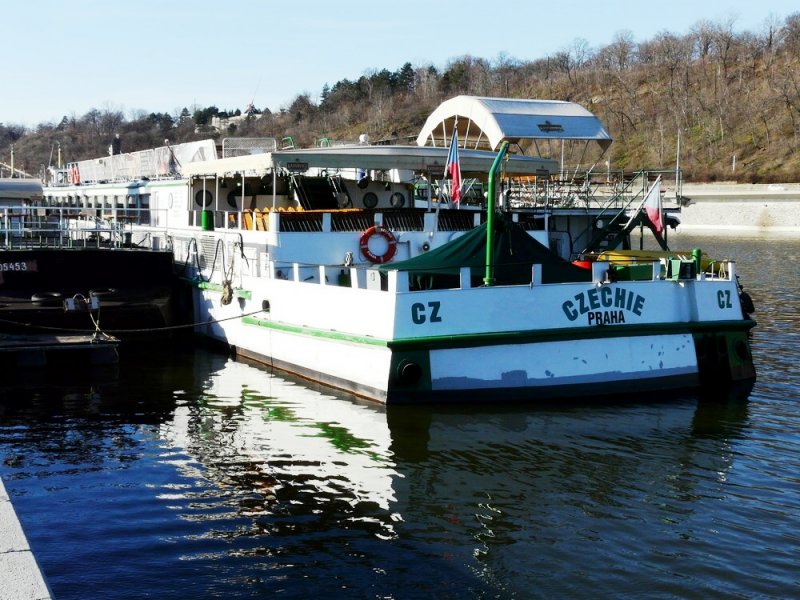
(134, 289)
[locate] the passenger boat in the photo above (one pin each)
(322, 262)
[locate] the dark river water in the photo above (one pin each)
(185, 474)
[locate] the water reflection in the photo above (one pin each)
(286, 452)
(287, 442)
(259, 481)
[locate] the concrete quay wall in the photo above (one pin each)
(20, 576)
(740, 209)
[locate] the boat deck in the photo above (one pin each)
(44, 350)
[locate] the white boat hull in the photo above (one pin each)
(406, 347)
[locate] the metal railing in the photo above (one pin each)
(591, 190)
(164, 162)
(52, 227)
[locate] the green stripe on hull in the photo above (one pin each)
(722, 349)
(216, 287)
(313, 332)
(509, 337)
(572, 333)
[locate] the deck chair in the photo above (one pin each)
(262, 222)
(247, 219)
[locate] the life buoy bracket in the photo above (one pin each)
(391, 245)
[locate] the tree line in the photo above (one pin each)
(730, 100)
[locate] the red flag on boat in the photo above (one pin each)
(652, 206)
(452, 169)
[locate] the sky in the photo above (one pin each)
(67, 58)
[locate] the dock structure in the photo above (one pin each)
(20, 575)
(44, 350)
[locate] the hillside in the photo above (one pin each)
(732, 99)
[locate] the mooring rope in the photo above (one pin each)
(141, 330)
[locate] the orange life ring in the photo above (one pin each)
(76, 176)
(391, 242)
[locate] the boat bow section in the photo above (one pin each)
(565, 340)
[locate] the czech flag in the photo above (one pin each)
(452, 169)
(654, 210)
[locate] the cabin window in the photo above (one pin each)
(231, 199)
(203, 198)
(370, 200)
(398, 200)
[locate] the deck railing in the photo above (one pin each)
(610, 190)
(52, 227)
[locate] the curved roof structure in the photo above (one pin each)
(494, 120)
(18, 190)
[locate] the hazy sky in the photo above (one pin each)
(65, 58)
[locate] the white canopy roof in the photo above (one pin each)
(512, 120)
(382, 158)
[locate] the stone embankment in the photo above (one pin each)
(740, 209)
(20, 577)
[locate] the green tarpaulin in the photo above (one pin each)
(514, 253)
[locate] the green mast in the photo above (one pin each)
(489, 277)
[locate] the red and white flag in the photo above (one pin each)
(452, 169)
(652, 206)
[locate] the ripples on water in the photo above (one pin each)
(195, 476)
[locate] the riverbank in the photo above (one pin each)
(740, 209)
(20, 576)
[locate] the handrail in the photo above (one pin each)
(621, 202)
(65, 227)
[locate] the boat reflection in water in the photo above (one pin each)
(486, 499)
(239, 483)
(283, 439)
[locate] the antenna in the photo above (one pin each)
(251, 108)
